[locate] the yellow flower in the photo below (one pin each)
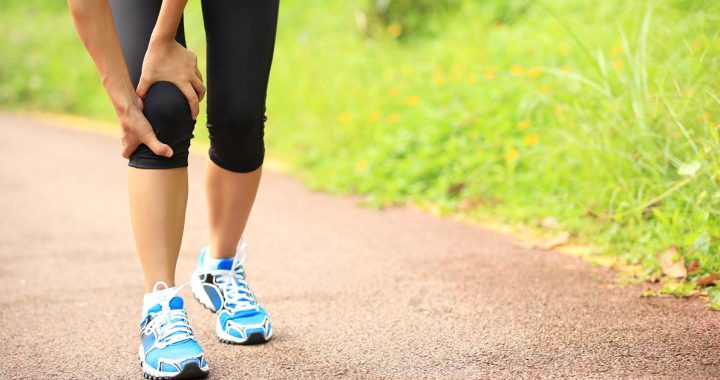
(531, 139)
(438, 76)
(413, 100)
(534, 73)
(617, 51)
(565, 69)
(374, 116)
(696, 45)
(524, 124)
(472, 79)
(393, 91)
(489, 75)
(618, 64)
(705, 118)
(545, 89)
(474, 134)
(393, 117)
(516, 70)
(361, 166)
(395, 30)
(457, 73)
(563, 50)
(511, 155)
(559, 110)
(345, 117)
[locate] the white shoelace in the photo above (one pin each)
(170, 325)
(238, 296)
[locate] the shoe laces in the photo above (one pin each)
(238, 296)
(170, 325)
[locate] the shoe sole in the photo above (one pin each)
(254, 338)
(189, 371)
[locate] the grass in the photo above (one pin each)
(603, 115)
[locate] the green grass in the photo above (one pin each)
(601, 114)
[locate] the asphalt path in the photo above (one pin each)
(353, 292)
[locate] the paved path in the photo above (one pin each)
(353, 293)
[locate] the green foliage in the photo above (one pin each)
(402, 18)
(603, 115)
(43, 64)
(510, 11)
(714, 296)
(413, 16)
(678, 289)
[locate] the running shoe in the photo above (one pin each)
(168, 349)
(223, 289)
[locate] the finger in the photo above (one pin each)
(143, 87)
(192, 97)
(128, 149)
(198, 73)
(126, 152)
(156, 146)
(199, 88)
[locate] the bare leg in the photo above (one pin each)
(230, 198)
(158, 199)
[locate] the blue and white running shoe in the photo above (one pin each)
(168, 349)
(224, 290)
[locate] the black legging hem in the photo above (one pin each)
(246, 167)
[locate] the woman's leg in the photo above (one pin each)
(240, 39)
(240, 42)
(230, 197)
(157, 208)
(158, 187)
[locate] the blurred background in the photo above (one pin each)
(599, 118)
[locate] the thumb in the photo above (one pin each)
(143, 87)
(157, 147)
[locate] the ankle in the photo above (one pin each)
(216, 252)
(157, 296)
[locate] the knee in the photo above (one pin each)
(237, 139)
(168, 112)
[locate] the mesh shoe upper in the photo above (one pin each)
(225, 284)
(168, 343)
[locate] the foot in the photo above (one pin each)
(221, 286)
(168, 349)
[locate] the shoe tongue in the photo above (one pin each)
(176, 303)
(225, 264)
(155, 309)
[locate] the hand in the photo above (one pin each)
(136, 130)
(167, 60)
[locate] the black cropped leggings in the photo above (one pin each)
(240, 41)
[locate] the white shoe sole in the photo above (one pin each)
(190, 371)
